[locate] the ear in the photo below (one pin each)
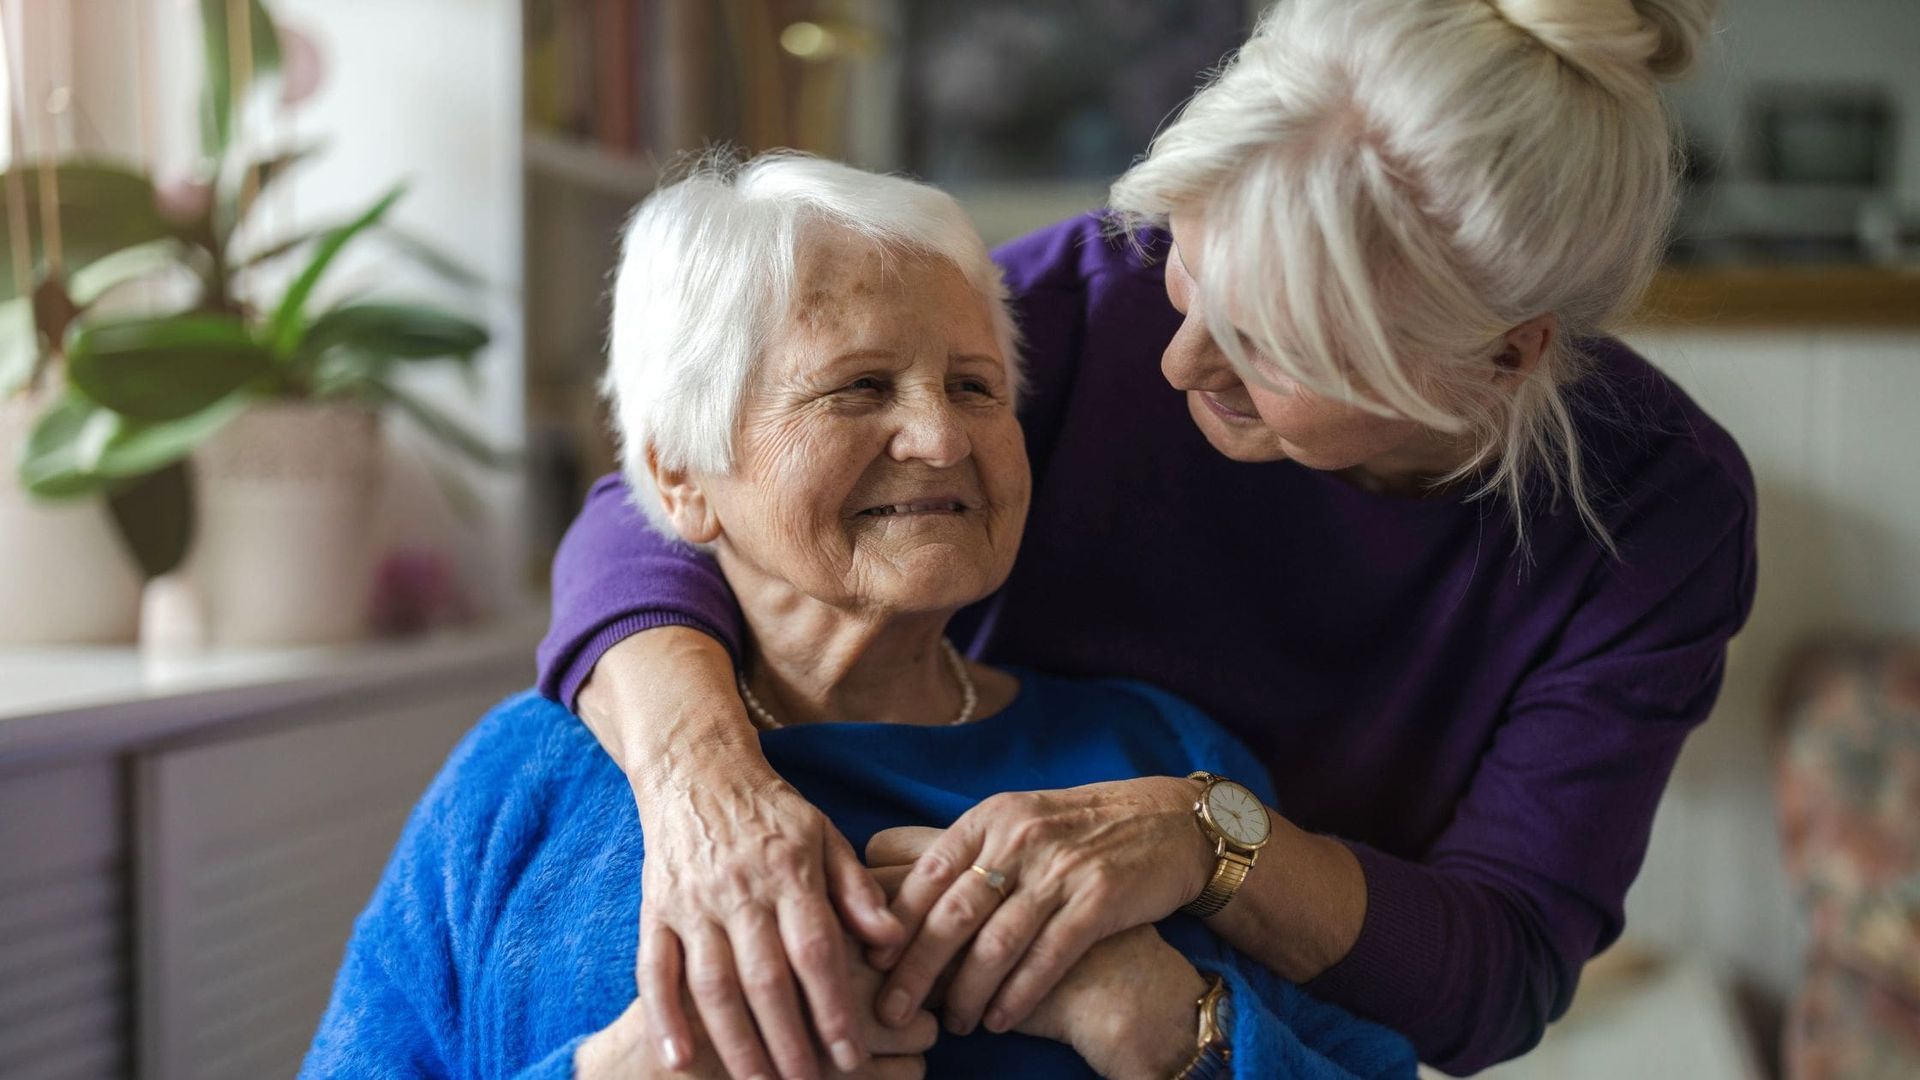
(1524, 345)
(684, 501)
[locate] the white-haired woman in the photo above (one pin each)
(1460, 568)
(852, 462)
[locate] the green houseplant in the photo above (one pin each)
(133, 391)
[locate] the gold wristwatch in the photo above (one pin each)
(1213, 1047)
(1235, 821)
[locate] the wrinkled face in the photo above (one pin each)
(1249, 422)
(879, 465)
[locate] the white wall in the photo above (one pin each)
(1827, 421)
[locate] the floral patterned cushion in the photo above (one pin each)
(1849, 787)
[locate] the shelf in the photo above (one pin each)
(582, 163)
(1863, 296)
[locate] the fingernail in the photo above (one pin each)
(997, 1022)
(670, 1050)
(846, 1056)
(957, 1025)
(899, 1003)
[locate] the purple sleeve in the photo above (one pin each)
(614, 576)
(1473, 949)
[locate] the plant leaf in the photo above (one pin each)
(124, 267)
(155, 517)
(231, 185)
(61, 449)
(283, 332)
(137, 447)
(431, 258)
(164, 368)
(441, 426)
(102, 209)
(388, 332)
(223, 101)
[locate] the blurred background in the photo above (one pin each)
(246, 606)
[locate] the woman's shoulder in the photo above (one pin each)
(1081, 254)
(1639, 427)
(521, 756)
(1671, 484)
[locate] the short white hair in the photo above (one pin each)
(1386, 187)
(707, 275)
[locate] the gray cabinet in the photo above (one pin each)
(181, 864)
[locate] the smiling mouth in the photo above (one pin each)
(1223, 411)
(929, 506)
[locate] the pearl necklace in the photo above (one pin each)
(969, 697)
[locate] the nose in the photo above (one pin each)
(1194, 361)
(930, 432)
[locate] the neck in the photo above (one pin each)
(1410, 470)
(809, 662)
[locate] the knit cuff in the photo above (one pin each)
(581, 665)
(1382, 977)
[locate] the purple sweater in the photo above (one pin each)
(1490, 734)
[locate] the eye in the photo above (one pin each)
(973, 386)
(865, 384)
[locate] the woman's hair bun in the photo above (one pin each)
(1611, 38)
(1683, 26)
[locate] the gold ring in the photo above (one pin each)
(995, 880)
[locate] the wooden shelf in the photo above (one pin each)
(1783, 295)
(582, 163)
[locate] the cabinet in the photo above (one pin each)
(184, 847)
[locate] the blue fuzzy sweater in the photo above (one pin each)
(502, 933)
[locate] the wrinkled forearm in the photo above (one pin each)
(662, 704)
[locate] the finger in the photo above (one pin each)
(992, 954)
(813, 939)
(860, 901)
(900, 845)
(956, 916)
(912, 1067)
(715, 983)
(933, 874)
(916, 1037)
(768, 983)
(1059, 945)
(666, 1014)
(890, 878)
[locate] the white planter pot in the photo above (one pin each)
(284, 536)
(65, 576)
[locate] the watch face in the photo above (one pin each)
(1238, 814)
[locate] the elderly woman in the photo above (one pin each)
(814, 376)
(1460, 568)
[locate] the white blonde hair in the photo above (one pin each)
(707, 273)
(1385, 188)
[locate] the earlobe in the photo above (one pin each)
(684, 501)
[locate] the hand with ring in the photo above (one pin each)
(1072, 867)
(1126, 1006)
